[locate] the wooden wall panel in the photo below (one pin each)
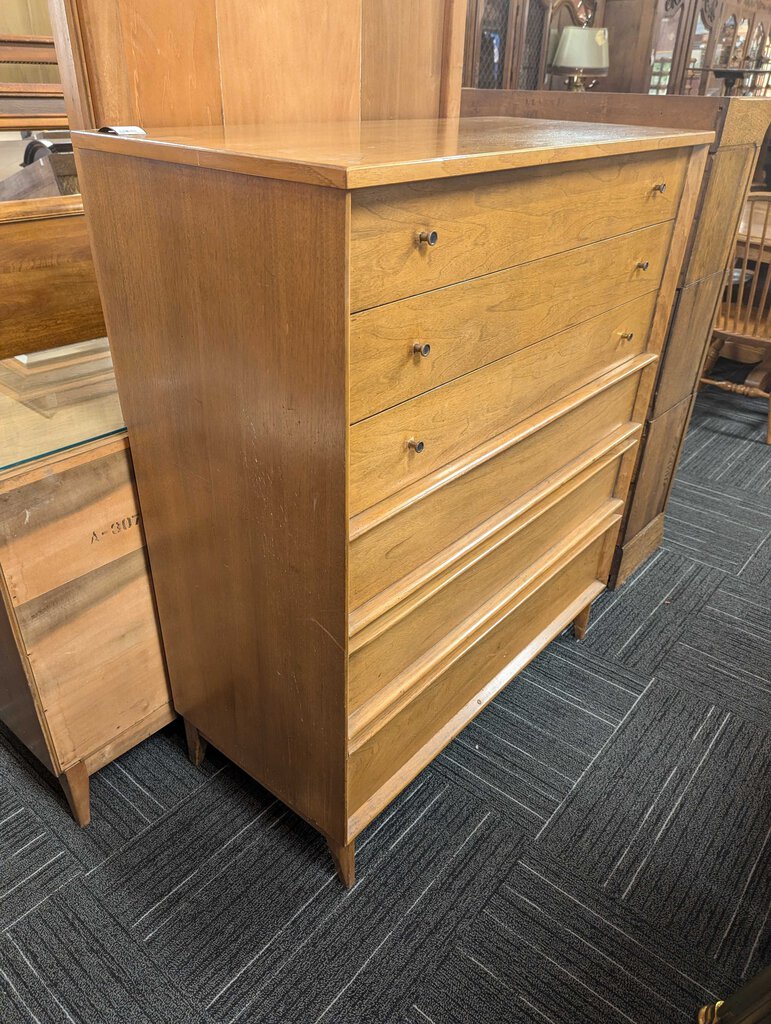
(173, 63)
(25, 18)
(402, 49)
(159, 64)
(297, 60)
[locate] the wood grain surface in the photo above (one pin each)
(48, 292)
(466, 412)
(389, 542)
(500, 221)
(359, 154)
(473, 323)
(242, 486)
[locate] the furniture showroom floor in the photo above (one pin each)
(590, 849)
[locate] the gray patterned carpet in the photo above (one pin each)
(594, 848)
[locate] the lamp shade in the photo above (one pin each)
(582, 49)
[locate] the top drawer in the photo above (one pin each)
(485, 223)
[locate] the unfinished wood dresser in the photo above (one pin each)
(82, 675)
(384, 384)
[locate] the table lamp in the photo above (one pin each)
(582, 53)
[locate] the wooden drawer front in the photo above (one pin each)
(437, 614)
(118, 677)
(390, 757)
(657, 466)
(488, 222)
(473, 323)
(77, 516)
(458, 416)
(383, 552)
(690, 332)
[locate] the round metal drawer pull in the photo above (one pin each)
(643, 265)
(428, 238)
(661, 187)
(421, 349)
(416, 446)
(627, 336)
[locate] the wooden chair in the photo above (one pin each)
(743, 325)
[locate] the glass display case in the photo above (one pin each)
(668, 30)
(674, 46)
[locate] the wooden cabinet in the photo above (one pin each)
(82, 675)
(508, 42)
(665, 47)
(393, 458)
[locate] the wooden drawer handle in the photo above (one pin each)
(643, 265)
(661, 187)
(627, 336)
(428, 238)
(421, 349)
(415, 446)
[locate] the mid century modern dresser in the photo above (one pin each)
(384, 383)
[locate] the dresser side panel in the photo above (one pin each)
(226, 299)
(18, 708)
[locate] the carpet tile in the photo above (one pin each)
(595, 847)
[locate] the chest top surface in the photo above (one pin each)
(358, 154)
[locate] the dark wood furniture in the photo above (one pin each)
(739, 125)
(669, 47)
(392, 466)
(508, 42)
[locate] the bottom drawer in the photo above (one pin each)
(433, 617)
(384, 763)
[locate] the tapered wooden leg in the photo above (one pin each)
(581, 623)
(74, 782)
(709, 1014)
(196, 744)
(345, 862)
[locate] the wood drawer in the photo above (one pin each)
(488, 222)
(384, 760)
(456, 417)
(386, 547)
(470, 324)
(439, 611)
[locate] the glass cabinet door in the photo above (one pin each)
(697, 55)
(740, 41)
(669, 22)
(757, 43)
(725, 41)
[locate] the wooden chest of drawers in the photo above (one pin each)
(383, 384)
